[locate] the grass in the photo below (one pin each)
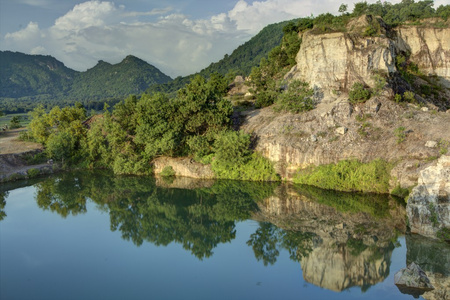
(348, 175)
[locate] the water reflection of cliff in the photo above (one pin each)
(434, 258)
(351, 234)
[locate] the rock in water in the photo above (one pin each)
(412, 280)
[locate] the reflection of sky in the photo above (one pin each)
(48, 257)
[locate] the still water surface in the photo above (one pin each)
(96, 236)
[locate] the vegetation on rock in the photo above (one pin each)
(348, 175)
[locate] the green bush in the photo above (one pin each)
(297, 98)
(168, 171)
(358, 93)
(33, 172)
(400, 133)
(255, 168)
(348, 175)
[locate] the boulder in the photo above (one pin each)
(412, 280)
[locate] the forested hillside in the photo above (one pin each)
(26, 80)
(24, 75)
(239, 62)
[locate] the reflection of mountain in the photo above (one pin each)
(352, 239)
(434, 258)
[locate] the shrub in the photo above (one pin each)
(444, 234)
(33, 172)
(168, 171)
(358, 93)
(297, 98)
(348, 175)
(256, 168)
(400, 134)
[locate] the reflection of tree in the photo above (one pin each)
(268, 239)
(197, 219)
(3, 196)
(56, 195)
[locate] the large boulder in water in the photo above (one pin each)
(412, 280)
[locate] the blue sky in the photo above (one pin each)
(178, 37)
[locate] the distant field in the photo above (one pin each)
(6, 119)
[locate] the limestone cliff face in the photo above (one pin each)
(429, 48)
(332, 62)
(428, 206)
(348, 249)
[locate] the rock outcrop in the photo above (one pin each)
(429, 48)
(434, 258)
(336, 129)
(286, 139)
(428, 206)
(334, 61)
(413, 280)
(183, 166)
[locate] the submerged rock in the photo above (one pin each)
(412, 280)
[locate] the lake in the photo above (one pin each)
(92, 235)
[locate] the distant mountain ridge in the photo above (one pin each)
(38, 76)
(26, 80)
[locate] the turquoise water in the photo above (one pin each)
(96, 236)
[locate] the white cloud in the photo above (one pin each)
(173, 42)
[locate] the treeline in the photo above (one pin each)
(195, 123)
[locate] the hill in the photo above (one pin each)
(239, 62)
(131, 76)
(26, 80)
(25, 75)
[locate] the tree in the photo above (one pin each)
(343, 8)
(15, 122)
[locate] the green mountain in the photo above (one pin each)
(29, 79)
(239, 62)
(24, 75)
(131, 76)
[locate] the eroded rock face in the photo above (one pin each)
(183, 167)
(286, 139)
(334, 61)
(429, 48)
(428, 206)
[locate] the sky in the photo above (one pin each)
(178, 37)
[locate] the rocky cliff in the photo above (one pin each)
(332, 62)
(410, 135)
